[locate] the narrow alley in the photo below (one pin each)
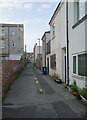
(24, 101)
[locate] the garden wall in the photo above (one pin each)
(10, 69)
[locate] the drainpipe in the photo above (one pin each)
(67, 34)
(8, 43)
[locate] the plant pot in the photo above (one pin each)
(52, 78)
(78, 96)
(84, 100)
(71, 91)
(58, 81)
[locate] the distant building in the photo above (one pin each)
(39, 61)
(11, 41)
(37, 54)
(34, 51)
(30, 57)
(46, 49)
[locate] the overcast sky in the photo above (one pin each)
(34, 15)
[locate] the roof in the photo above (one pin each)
(11, 25)
(44, 34)
(55, 12)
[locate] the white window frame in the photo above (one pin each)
(79, 11)
(53, 30)
(13, 31)
(76, 64)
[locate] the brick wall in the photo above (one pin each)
(10, 69)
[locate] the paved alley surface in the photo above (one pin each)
(24, 101)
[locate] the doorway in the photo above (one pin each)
(65, 67)
(64, 64)
(48, 65)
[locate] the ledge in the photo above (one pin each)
(53, 37)
(79, 22)
(79, 77)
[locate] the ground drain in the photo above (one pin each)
(6, 104)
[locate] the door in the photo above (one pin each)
(48, 65)
(65, 67)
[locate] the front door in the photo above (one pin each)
(48, 65)
(65, 67)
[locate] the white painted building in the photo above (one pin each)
(56, 26)
(77, 40)
(37, 52)
(45, 47)
(78, 43)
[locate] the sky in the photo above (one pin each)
(35, 16)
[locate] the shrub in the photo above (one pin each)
(74, 88)
(83, 92)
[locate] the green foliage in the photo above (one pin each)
(56, 77)
(3, 98)
(83, 92)
(74, 82)
(73, 86)
(84, 114)
(34, 64)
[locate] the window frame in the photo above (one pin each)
(79, 10)
(77, 21)
(2, 31)
(13, 31)
(2, 41)
(76, 64)
(52, 61)
(53, 30)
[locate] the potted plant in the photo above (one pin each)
(74, 88)
(83, 94)
(53, 78)
(58, 80)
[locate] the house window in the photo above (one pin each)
(53, 61)
(48, 47)
(13, 44)
(2, 31)
(2, 45)
(80, 10)
(82, 64)
(13, 31)
(74, 64)
(53, 30)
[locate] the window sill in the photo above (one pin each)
(79, 77)
(53, 68)
(79, 22)
(53, 37)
